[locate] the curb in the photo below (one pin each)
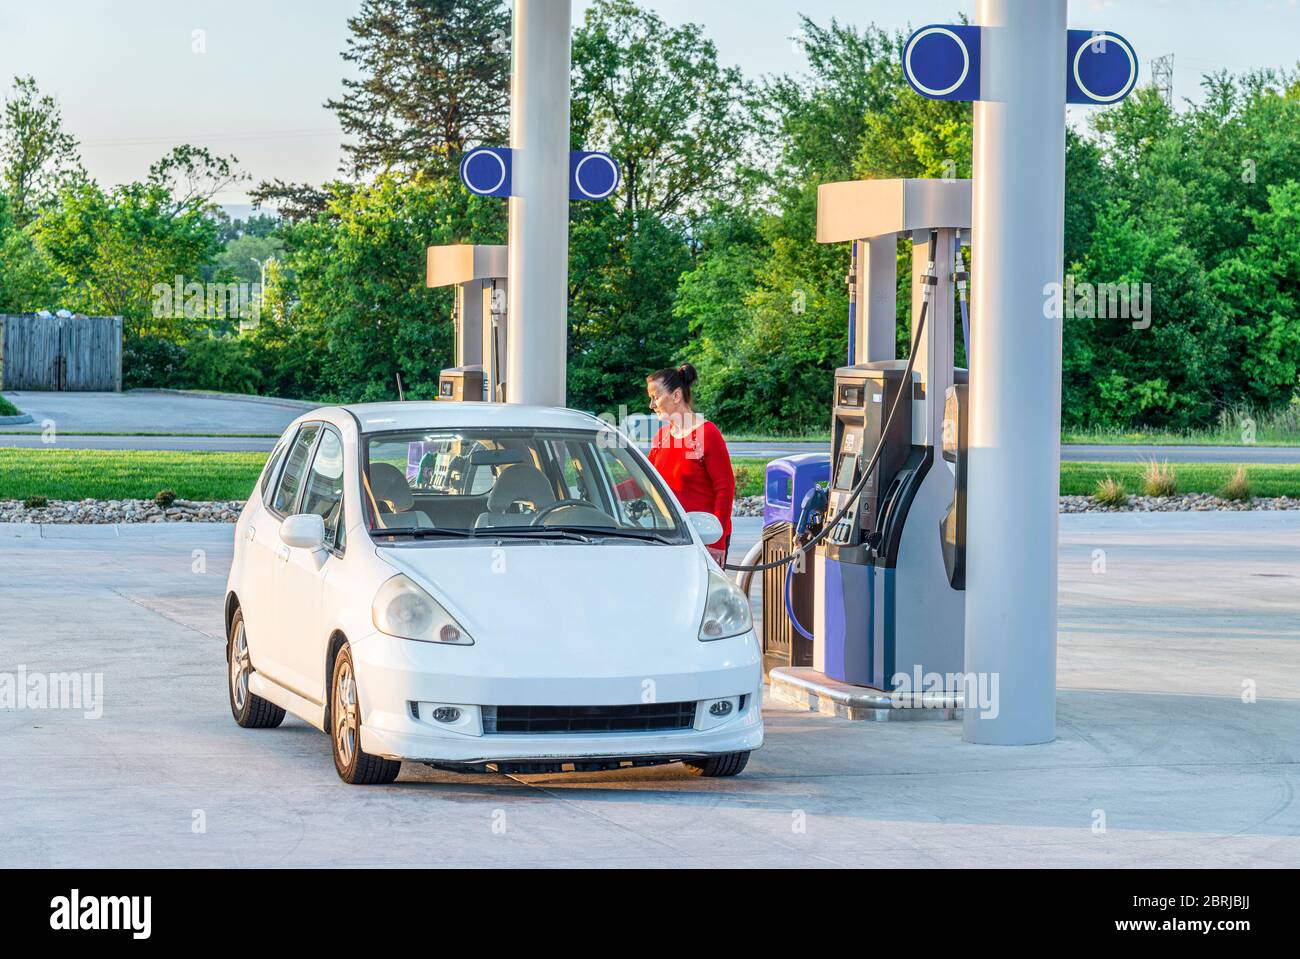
(263, 400)
(18, 420)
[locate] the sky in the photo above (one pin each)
(250, 77)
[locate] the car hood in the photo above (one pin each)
(608, 607)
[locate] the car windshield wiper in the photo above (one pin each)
(428, 533)
(538, 532)
(617, 532)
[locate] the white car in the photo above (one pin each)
(485, 588)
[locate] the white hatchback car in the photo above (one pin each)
(481, 587)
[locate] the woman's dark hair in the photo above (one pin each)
(677, 378)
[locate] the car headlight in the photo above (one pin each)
(726, 611)
(404, 610)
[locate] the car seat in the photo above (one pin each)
(395, 500)
(519, 483)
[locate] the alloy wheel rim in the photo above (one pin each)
(240, 667)
(345, 714)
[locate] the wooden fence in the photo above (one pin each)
(82, 353)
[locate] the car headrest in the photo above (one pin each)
(520, 482)
(389, 485)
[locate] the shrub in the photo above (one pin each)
(152, 361)
(1159, 479)
(7, 408)
(1111, 492)
(1237, 489)
(35, 502)
(220, 363)
(165, 498)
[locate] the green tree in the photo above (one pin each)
(37, 157)
(434, 76)
(358, 289)
(656, 98)
(113, 248)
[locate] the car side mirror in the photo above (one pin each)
(707, 525)
(305, 531)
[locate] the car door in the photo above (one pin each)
(265, 645)
(300, 574)
(258, 537)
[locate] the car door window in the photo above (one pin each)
(272, 464)
(323, 494)
(286, 493)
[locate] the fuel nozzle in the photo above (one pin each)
(931, 278)
(812, 514)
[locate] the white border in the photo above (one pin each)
(577, 176)
(465, 171)
(1103, 36)
(911, 75)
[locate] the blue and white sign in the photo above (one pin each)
(943, 62)
(485, 171)
(593, 176)
(1101, 67)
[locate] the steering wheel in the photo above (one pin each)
(546, 511)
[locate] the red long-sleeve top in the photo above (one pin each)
(697, 468)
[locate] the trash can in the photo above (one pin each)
(789, 480)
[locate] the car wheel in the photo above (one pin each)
(728, 764)
(355, 766)
(251, 712)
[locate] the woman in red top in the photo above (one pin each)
(690, 453)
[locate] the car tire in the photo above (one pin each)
(251, 712)
(715, 767)
(355, 766)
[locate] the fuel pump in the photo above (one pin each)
(891, 571)
(479, 317)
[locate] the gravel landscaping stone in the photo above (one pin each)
(101, 512)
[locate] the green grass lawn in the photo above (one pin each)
(127, 474)
(140, 474)
(1080, 479)
(1208, 438)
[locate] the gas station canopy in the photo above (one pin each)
(463, 263)
(864, 209)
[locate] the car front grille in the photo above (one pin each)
(540, 720)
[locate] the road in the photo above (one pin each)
(143, 411)
(164, 415)
(1153, 732)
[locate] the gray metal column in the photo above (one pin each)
(1016, 375)
(539, 209)
(877, 299)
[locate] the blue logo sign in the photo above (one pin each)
(485, 171)
(943, 62)
(1101, 67)
(593, 176)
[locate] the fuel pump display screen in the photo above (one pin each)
(846, 472)
(852, 396)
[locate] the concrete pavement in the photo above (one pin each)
(142, 411)
(1159, 762)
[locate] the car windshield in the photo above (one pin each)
(526, 483)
